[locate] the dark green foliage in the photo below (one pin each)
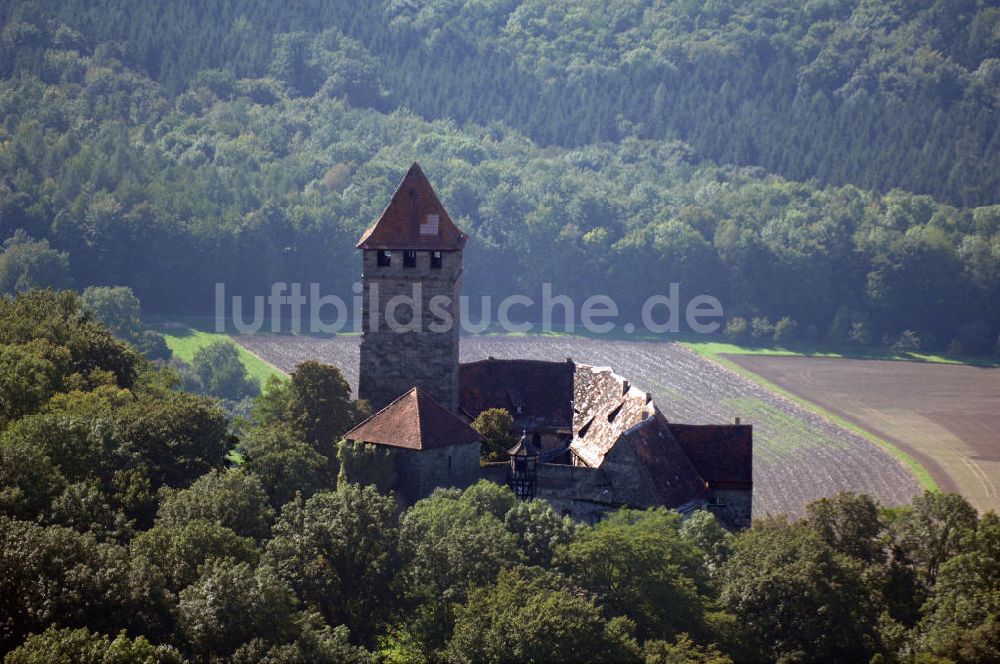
(539, 530)
(339, 551)
(793, 596)
(366, 465)
(961, 616)
(26, 263)
(934, 530)
(638, 563)
(683, 651)
(497, 428)
(530, 615)
(178, 437)
(316, 642)
(179, 551)
(284, 464)
(162, 150)
(232, 498)
(715, 542)
(220, 372)
(118, 309)
(320, 408)
(81, 646)
(316, 406)
(29, 375)
(59, 319)
(453, 544)
(232, 603)
(55, 575)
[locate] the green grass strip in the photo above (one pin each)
(716, 348)
(186, 341)
(920, 473)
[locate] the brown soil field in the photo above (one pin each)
(798, 455)
(941, 414)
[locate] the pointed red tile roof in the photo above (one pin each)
(414, 421)
(414, 219)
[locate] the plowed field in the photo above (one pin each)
(944, 415)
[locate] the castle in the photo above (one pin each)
(592, 441)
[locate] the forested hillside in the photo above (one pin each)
(878, 94)
(168, 146)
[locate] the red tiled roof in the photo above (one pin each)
(722, 453)
(674, 477)
(544, 390)
(414, 219)
(414, 421)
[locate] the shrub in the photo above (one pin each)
(761, 329)
(786, 330)
(737, 331)
(908, 342)
(849, 327)
(861, 333)
(497, 429)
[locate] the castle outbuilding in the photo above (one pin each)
(432, 446)
(594, 441)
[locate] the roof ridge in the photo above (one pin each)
(401, 225)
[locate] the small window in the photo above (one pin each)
(436, 260)
(384, 258)
(409, 259)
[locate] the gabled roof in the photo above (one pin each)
(674, 478)
(414, 421)
(414, 219)
(543, 390)
(722, 453)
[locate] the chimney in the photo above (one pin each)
(625, 386)
(737, 419)
(649, 397)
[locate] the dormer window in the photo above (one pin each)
(437, 258)
(409, 259)
(384, 258)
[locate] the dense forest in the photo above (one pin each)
(128, 533)
(830, 163)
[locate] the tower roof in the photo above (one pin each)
(414, 219)
(414, 421)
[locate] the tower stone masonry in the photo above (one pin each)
(411, 274)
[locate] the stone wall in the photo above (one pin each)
(582, 493)
(422, 471)
(732, 507)
(392, 362)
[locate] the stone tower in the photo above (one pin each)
(411, 273)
